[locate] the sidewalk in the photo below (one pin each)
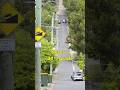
(50, 85)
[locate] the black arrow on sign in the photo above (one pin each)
(10, 19)
(38, 34)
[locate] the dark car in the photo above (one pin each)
(64, 21)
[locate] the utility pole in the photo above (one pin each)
(52, 27)
(52, 38)
(38, 9)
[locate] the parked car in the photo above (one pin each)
(77, 76)
(53, 1)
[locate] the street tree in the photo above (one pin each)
(103, 38)
(24, 61)
(76, 20)
(47, 56)
(102, 31)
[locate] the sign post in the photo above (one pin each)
(10, 20)
(7, 44)
(38, 35)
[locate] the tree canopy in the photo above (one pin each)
(102, 30)
(103, 38)
(76, 18)
(24, 61)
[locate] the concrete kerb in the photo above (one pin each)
(50, 85)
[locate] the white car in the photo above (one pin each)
(77, 76)
(59, 21)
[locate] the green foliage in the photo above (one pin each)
(27, 10)
(47, 12)
(102, 38)
(48, 33)
(111, 78)
(46, 17)
(49, 6)
(94, 72)
(46, 53)
(81, 61)
(102, 30)
(24, 61)
(76, 19)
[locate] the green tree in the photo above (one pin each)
(81, 61)
(47, 12)
(102, 31)
(46, 50)
(76, 19)
(47, 56)
(111, 78)
(102, 37)
(24, 61)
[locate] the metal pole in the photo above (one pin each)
(7, 71)
(6, 66)
(52, 27)
(38, 10)
(37, 69)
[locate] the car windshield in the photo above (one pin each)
(77, 73)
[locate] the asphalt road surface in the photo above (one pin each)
(63, 79)
(62, 32)
(64, 70)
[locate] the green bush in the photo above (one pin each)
(24, 61)
(111, 78)
(81, 61)
(46, 52)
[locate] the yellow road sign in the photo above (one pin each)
(10, 18)
(39, 34)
